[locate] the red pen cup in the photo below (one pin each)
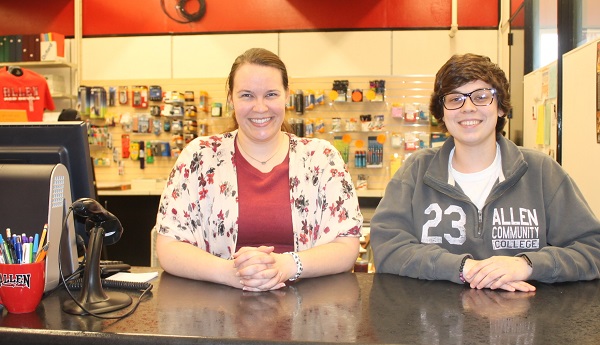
(22, 286)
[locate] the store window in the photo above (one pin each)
(590, 21)
(517, 70)
(545, 35)
(542, 31)
(548, 47)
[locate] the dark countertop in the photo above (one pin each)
(344, 308)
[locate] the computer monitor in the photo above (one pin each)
(34, 159)
(51, 143)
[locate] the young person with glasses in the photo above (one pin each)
(480, 210)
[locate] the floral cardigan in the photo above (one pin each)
(199, 202)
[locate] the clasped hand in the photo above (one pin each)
(260, 269)
(498, 272)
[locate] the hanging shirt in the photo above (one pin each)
(28, 92)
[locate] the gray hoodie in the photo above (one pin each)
(423, 226)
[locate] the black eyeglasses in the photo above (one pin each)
(479, 97)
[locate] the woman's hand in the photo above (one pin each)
(498, 272)
(259, 269)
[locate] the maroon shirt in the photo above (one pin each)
(265, 214)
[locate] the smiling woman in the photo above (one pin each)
(258, 207)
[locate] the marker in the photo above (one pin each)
(36, 245)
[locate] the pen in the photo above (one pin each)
(42, 253)
(41, 244)
(25, 254)
(18, 250)
(13, 249)
(2, 251)
(2, 248)
(29, 258)
(5, 247)
(30, 251)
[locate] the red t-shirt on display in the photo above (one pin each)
(28, 91)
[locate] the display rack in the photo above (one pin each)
(402, 92)
(378, 129)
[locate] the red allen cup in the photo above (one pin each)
(22, 286)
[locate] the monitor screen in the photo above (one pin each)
(52, 143)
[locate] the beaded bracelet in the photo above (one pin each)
(462, 266)
(299, 267)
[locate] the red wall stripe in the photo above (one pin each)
(140, 17)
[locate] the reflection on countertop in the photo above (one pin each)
(344, 308)
(441, 312)
(308, 310)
